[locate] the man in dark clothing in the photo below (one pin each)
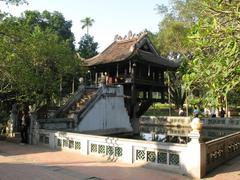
(222, 113)
(25, 126)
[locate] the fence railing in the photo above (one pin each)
(233, 123)
(166, 120)
(221, 122)
(221, 150)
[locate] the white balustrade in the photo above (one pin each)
(165, 155)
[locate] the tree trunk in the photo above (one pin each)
(226, 105)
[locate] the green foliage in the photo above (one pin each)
(87, 22)
(34, 58)
(159, 109)
(54, 22)
(87, 47)
(204, 35)
(172, 42)
(181, 11)
(14, 2)
(234, 97)
(216, 41)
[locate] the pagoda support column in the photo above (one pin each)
(134, 104)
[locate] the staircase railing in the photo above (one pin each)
(77, 95)
(90, 104)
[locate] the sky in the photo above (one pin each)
(111, 16)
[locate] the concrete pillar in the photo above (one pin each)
(33, 129)
(52, 140)
(128, 153)
(84, 146)
(135, 125)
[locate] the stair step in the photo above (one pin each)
(81, 103)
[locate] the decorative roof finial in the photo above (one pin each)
(116, 37)
(129, 34)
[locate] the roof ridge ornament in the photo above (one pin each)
(116, 37)
(130, 36)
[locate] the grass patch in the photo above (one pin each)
(159, 109)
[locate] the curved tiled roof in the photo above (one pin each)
(117, 51)
(123, 49)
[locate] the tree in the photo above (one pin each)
(215, 38)
(172, 42)
(53, 21)
(33, 60)
(87, 22)
(173, 29)
(87, 47)
(14, 2)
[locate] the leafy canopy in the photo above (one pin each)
(87, 22)
(216, 41)
(87, 47)
(33, 59)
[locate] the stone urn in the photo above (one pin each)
(196, 124)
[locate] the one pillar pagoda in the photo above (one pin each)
(133, 62)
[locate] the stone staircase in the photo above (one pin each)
(91, 110)
(82, 103)
(67, 116)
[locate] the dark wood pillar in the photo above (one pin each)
(117, 70)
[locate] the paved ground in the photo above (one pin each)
(228, 171)
(26, 162)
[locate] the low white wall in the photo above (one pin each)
(179, 158)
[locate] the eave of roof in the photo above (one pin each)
(157, 60)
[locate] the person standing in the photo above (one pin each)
(195, 112)
(25, 125)
(222, 113)
(181, 112)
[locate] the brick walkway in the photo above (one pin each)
(27, 162)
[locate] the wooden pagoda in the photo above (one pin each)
(133, 62)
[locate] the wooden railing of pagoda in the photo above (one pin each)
(140, 80)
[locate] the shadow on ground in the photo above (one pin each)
(13, 149)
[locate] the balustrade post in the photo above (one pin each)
(194, 158)
(85, 146)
